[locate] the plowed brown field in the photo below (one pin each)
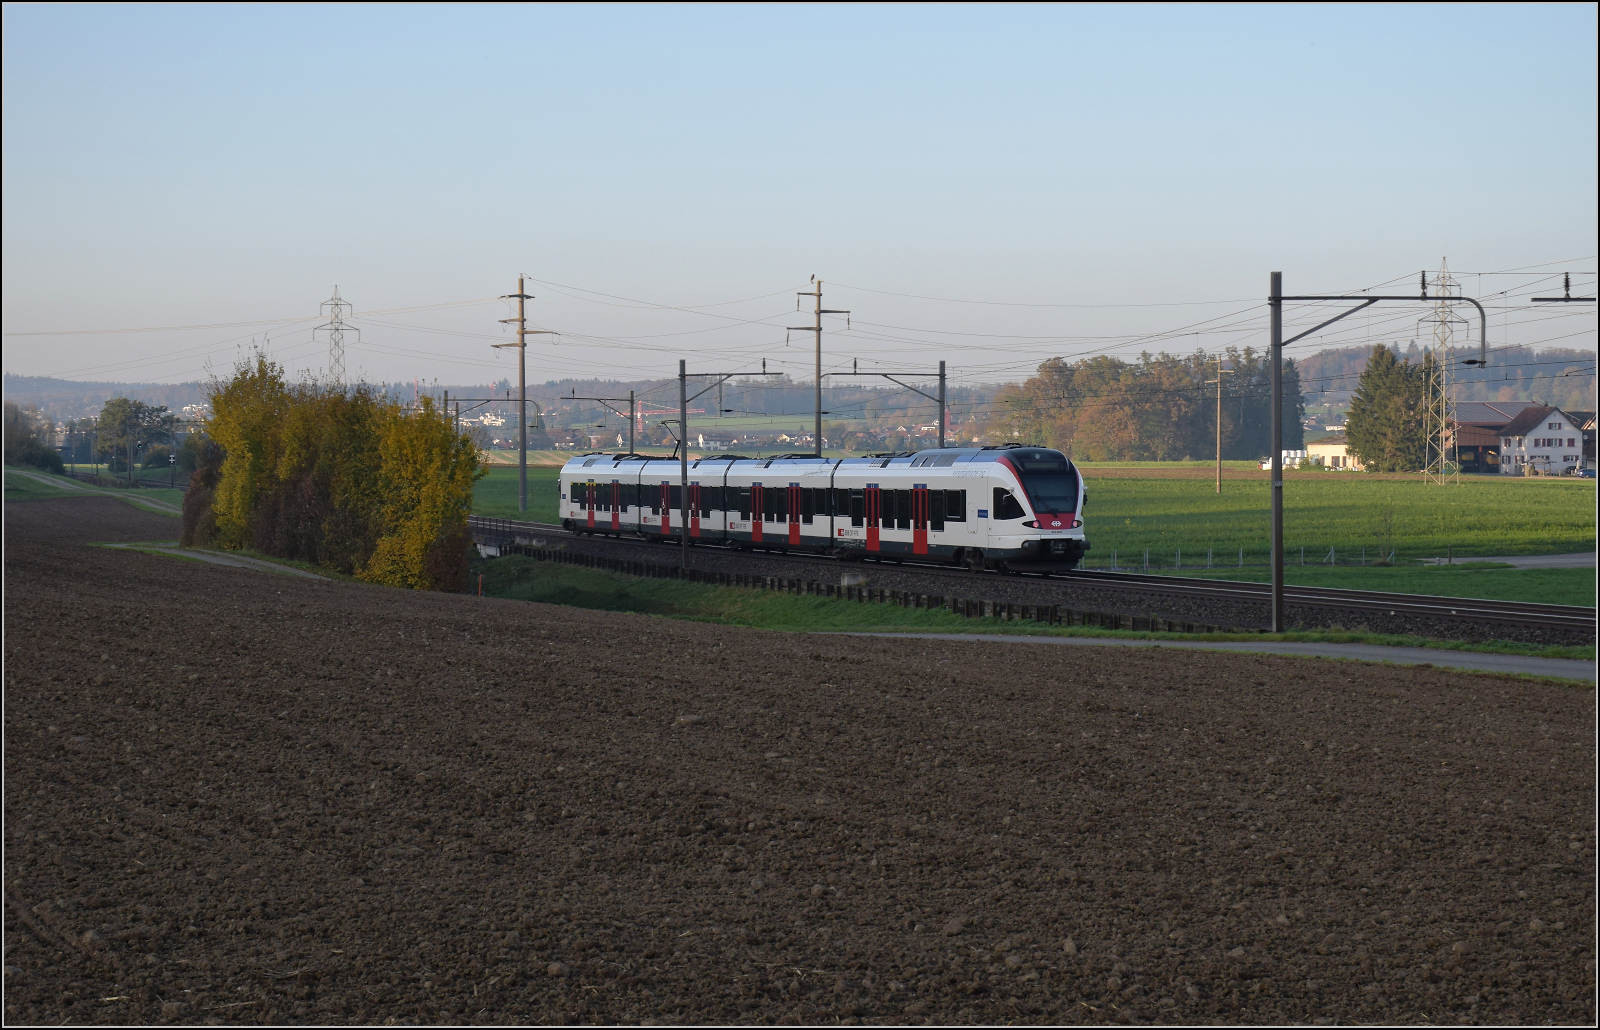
(232, 796)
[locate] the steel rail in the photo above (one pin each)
(1555, 616)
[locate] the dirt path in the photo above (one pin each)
(1478, 661)
(262, 799)
(236, 561)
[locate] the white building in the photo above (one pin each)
(1541, 441)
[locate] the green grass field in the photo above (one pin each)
(1477, 517)
(496, 494)
(1480, 580)
(527, 579)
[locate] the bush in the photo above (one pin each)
(340, 477)
(158, 456)
(23, 446)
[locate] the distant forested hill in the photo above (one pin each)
(1561, 376)
(64, 398)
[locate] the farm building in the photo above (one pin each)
(1545, 441)
(1333, 452)
(1478, 428)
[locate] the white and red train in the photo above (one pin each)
(1016, 508)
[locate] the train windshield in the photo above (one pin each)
(1052, 484)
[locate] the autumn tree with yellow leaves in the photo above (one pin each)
(337, 476)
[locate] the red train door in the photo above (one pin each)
(919, 518)
(589, 499)
(616, 505)
(794, 514)
(694, 509)
(666, 509)
(874, 507)
(755, 512)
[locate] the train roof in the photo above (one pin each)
(933, 457)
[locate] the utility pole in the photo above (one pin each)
(1220, 373)
(816, 328)
(1275, 300)
(944, 408)
(523, 332)
(683, 456)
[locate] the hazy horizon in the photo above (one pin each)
(990, 186)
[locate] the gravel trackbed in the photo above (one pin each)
(238, 797)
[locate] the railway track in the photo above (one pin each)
(1567, 618)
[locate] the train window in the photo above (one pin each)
(936, 509)
(902, 508)
(841, 503)
(1006, 507)
(858, 508)
(955, 505)
(654, 493)
(886, 509)
(741, 497)
(780, 504)
(808, 505)
(677, 497)
(630, 495)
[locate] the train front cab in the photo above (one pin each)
(1034, 517)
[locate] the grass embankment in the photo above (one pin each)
(527, 579)
(24, 488)
(20, 487)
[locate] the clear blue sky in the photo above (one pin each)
(193, 165)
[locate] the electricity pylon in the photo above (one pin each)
(334, 309)
(1441, 466)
